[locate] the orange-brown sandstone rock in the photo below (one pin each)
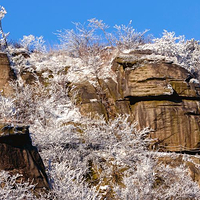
(6, 75)
(156, 93)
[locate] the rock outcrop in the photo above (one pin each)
(156, 93)
(18, 156)
(6, 75)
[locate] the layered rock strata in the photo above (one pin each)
(156, 93)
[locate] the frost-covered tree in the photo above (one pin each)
(3, 40)
(33, 43)
(184, 52)
(81, 42)
(127, 38)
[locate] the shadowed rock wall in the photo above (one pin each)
(19, 156)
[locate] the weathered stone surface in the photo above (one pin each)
(157, 94)
(19, 156)
(175, 124)
(6, 74)
(93, 108)
(86, 93)
(162, 98)
(156, 79)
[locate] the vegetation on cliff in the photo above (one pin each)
(90, 157)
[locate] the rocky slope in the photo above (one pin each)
(18, 155)
(154, 92)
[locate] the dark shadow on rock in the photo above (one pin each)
(18, 155)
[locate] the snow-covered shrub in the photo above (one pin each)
(84, 43)
(81, 42)
(151, 180)
(7, 109)
(12, 188)
(139, 180)
(127, 38)
(175, 183)
(112, 155)
(84, 145)
(40, 103)
(68, 184)
(3, 36)
(33, 43)
(184, 52)
(85, 40)
(2, 12)
(100, 25)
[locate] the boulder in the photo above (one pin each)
(18, 156)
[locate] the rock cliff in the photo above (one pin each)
(6, 75)
(156, 93)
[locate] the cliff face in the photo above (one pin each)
(18, 156)
(156, 93)
(6, 75)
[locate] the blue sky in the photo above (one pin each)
(45, 17)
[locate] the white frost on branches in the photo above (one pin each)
(7, 108)
(184, 52)
(127, 38)
(3, 39)
(33, 43)
(13, 189)
(82, 155)
(2, 12)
